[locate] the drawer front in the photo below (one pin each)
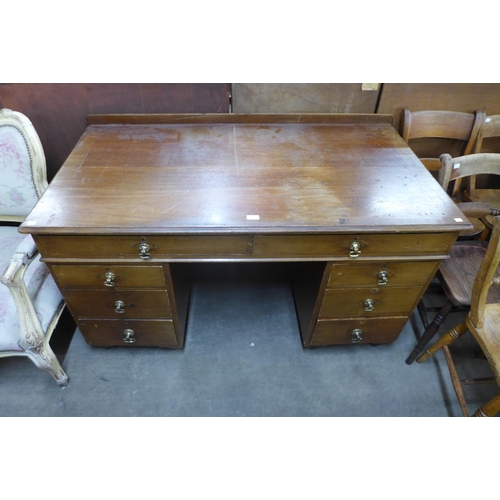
(374, 245)
(357, 331)
(108, 247)
(345, 302)
(119, 304)
(105, 333)
(109, 277)
(382, 274)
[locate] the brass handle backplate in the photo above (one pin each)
(354, 249)
(110, 279)
(119, 307)
(356, 335)
(128, 336)
(144, 249)
(383, 278)
(369, 305)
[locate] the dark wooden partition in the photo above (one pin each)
(58, 111)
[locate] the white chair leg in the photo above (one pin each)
(45, 359)
(32, 339)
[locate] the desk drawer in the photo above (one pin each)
(354, 331)
(385, 274)
(105, 333)
(370, 245)
(345, 302)
(108, 247)
(110, 276)
(119, 304)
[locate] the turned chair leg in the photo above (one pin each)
(455, 380)
(489, 409)
(446, 339)
(430, 331)
(422, 312)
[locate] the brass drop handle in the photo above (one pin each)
(119, 307)
(383, 278)
(369, 305)
(110, 279)
(144, 249)
(356, 335)
(354, 249)
(128, 336)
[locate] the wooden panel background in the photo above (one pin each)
(58, 111)
(303, 98)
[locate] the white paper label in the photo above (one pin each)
(30, 222)
(458, 219)
(253, 217)
(487, 120)
(457, 165)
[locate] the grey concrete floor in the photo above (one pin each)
(243, 357)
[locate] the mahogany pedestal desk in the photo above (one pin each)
(340, 196)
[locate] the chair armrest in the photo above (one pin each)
(477, 209)
(23, 256)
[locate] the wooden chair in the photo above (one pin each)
(443, 125)
(30, 303)
(490, 128)
(483, 321)
(450, 125)
(456, 274)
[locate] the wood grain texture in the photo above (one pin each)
(330, 177)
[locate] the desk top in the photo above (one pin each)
(216, 173)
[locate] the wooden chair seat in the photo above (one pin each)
(457, 274)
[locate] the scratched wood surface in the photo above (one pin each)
(332, 176)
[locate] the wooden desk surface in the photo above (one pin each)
(207, 173)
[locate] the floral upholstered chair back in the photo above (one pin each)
(30, 302)
(22, 166)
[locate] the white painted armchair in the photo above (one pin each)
(30, 303)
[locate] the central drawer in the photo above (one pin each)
(140, 247)
(353, 246)
(119, 304)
